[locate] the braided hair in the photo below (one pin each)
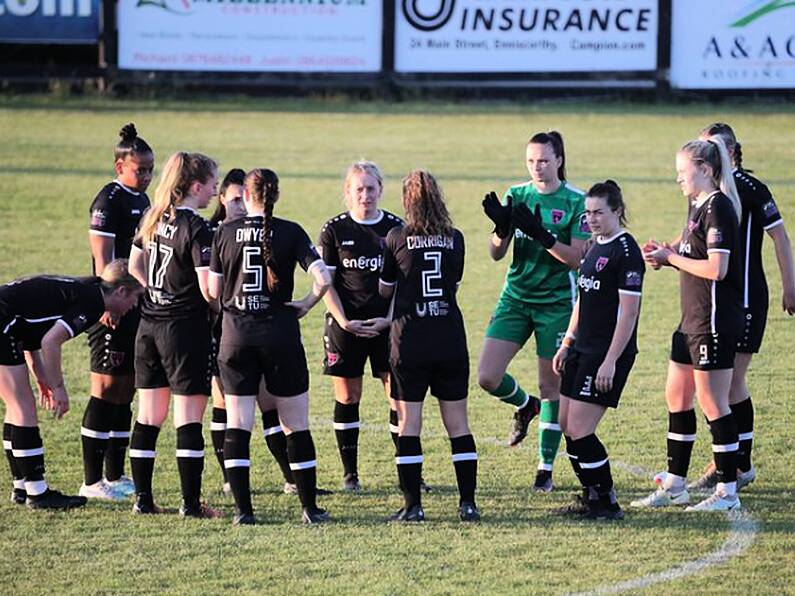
(726, 132)
(262, 185)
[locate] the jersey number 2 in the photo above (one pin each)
(431, 275)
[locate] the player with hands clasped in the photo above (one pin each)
(105, 431)
(252, 269)
(423, 266)
(599, 348)
(171, 256)
(707, 255)
(357, 324)
(545, 220)
(37, 315)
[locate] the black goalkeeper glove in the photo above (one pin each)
(499, 214)
(532, 226)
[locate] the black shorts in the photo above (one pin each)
(173, 354)
(703, 352)
(448, 379)
(754, 322)
(578, 381)
(113, 350)
(345, 353)
(11, 353)
(283, 366)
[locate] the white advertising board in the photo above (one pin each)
(733, 44)
(514, 36)
(258, 36)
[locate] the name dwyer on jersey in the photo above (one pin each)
(249, 235)
(437, 241)
(364, 263)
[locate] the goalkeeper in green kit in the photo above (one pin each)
(546, 219)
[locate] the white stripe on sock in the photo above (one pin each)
(746, 436)
(192, 453)
(303, 465)
(346, 425)
(525, 402)
(217, 425)
(592, 465)
(728, 489)
(143, 453)
(570, 456)
(545, 467)
(549, 426)
(94, 434)
(727, 448)
(682, 438)
(403, 460)
(19, 484)
(35, 487)
(471, 456)
(237, 463)
(7, 445)
(394, 428)
(119, 434)
(27, 452)
(272, 430)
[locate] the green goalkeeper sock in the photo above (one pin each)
(548, 433)
(510, 393)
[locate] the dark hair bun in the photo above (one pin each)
(612, 183)
(128, 132)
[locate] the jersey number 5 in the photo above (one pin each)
(431, 275)
(157, 273)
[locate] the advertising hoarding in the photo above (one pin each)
(49, 21)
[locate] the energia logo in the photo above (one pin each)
(760, 8)
(430, 21)
(172, 6)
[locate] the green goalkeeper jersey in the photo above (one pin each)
(535, 275)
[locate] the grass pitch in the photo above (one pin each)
(56, 154)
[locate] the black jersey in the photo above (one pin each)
(31, 306)
(611, 267)
(177, 250)
(353, 249)
(246, 301)
(427, 271)
(760, 214)
(115, 213)
(708, 306)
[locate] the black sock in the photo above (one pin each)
(744, 416)
(594, 464)
(465, 462)
(190, 462)
(95, 433)
(237, 461)
(301, 453)
(217, 430)
(393, 427)
(574, 459)
(346, 429)
(724, 447)
(409, 465)
(142, 458)
(118, 442)
(29, 454)
(16, 474)
(681, 436)
(276, 442)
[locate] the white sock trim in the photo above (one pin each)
(217, 425)
(470, 456)
(272, 430)
(347, 425)
(592, 465)
(394, 428)
(681, 438)
(404, 460)
(119, 434)
(35, 488)
(549, 426)
(27, 452)
(545, 467)
(94, 434)
(727, 489)
(237, 463)
(727, 448)
(192, 453)
(303, 465)
(143, 453)
(19, 484)
(525, 402)
(745, 436)
(7, 445)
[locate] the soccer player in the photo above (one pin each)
(423, 266)
(230, 207)
(599, 348)
(105, 431)
(707, 254)
(356, 329)
(760, 214)
(37, 315)
(545, 218)
(171, 256)
(253, 263)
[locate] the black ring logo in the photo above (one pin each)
(428, 22)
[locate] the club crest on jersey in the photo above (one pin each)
(770, 209)
(115, 359)
(601, 263)
(332, 358)
(98, 218)
(557, 216)
(714, 236)
(584, 227)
